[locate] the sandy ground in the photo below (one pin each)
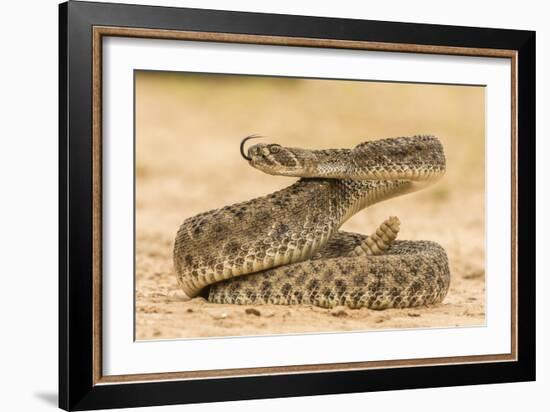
(187, 133)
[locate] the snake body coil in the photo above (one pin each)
(286, 247)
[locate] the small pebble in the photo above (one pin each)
(252, 311)
(339, 311)
(413, 315)
(474, 274)
(189, 310)
(222, 315)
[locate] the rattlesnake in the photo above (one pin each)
(286, 247)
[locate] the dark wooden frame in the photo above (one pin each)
(82, 26)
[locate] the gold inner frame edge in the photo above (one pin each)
(101, 31)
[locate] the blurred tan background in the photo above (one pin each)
(188, 130)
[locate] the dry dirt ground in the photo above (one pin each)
(188, 129)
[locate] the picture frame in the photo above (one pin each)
(83, 27)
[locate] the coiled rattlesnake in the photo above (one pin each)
(286, 247)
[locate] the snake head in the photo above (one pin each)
(275, 159)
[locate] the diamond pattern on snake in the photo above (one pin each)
(286, 248)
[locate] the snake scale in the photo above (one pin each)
(286, 247)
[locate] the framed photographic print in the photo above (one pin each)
(256, 205)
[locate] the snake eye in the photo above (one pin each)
(274, 148)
